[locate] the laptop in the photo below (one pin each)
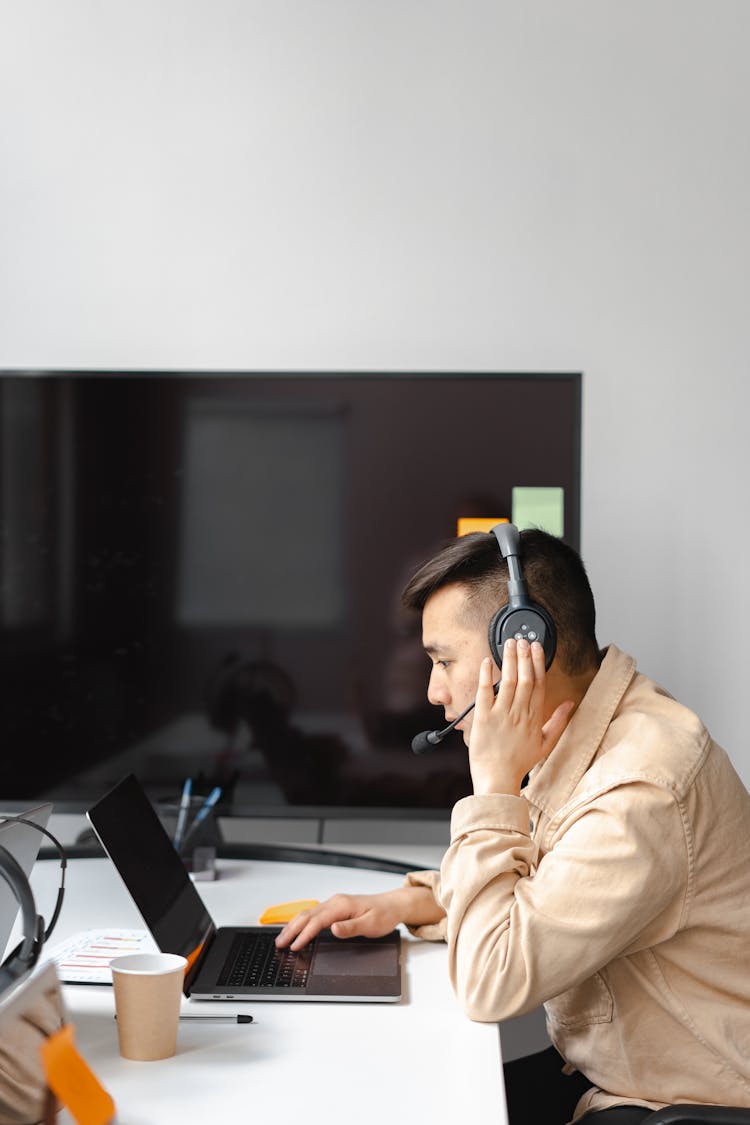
(231, 962)
(23, 843)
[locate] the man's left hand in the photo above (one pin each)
(509, 735)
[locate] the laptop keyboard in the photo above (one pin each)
(255, 962)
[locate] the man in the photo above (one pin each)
(613, 886)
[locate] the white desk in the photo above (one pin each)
(419, 1059)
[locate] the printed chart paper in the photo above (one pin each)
(84, 958)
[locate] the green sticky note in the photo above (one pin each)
(539, 507)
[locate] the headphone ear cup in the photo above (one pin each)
(530, 622)
(8, 974)
(495, 637)
(12, 968)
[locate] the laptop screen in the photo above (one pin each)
(137, 843)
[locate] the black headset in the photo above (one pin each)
(26, 954)
(520, 619)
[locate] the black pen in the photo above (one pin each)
(243, 1018)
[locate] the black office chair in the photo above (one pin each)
(699, 1115)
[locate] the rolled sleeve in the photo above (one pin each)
(432, 931)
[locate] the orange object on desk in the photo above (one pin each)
(73, 1081)
(285, 911)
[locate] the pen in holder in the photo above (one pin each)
(193, 827)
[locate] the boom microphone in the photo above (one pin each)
(429, 739)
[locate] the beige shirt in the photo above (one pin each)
(23, 1086)
(616, 891)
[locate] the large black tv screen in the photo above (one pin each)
(200, 573)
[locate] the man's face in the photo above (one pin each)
(456, 643)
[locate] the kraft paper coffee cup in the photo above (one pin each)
(148, 992)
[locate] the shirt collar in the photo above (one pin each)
(553, 781)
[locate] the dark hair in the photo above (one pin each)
(554, 574)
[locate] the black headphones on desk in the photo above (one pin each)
(26, 954)
(520, 619)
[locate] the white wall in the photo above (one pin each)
(422, 184)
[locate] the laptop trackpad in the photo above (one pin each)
(336, 959)
(357, 969)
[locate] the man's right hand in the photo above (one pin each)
(361, 915)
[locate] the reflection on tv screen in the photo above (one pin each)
(201, 574)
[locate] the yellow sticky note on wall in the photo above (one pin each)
(73, 1082)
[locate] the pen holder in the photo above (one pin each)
(200, 836)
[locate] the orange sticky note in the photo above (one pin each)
(285, 911)
(72, 1080)
(467, 524)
